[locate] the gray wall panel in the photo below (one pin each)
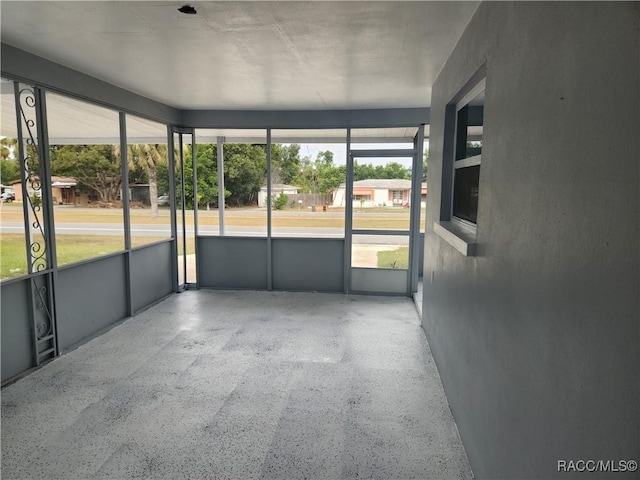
(90, 297)
(377, 118)
(375, 280)
(308, 264)
(17, 343)
(537, 337)
(232, 262)
(150, 274)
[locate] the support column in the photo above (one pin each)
(221, 200)
(348, 215)
(173, 205)
(194, 167)
(416, 201)
(124, 171)
(269, 256)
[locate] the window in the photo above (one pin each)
(468, 156)
(13, 251)
(462, 158)
(397, 196)
(149, 199)
(86, 179)
(308, 175)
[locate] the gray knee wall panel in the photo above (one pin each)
(315, 264)
(232, 262)
(17, 342)
(90, 297)
(150, 274)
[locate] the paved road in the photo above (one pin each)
(160, 230)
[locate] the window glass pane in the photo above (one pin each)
(13, 250)
(148, 181)
(308, 174)
(86, 179)
(424, 187)
(380, 251)
(465, 193)
(470, 120)
(244, 155)
(382, 193)
(382, 185)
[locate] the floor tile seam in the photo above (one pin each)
(285, 402)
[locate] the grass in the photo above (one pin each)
(13, 257)
(69, 249)
(394, 258)
(376, 218)
(74, 248)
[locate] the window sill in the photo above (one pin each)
(460, 238)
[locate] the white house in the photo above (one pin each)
(378, 193)
(276, 189)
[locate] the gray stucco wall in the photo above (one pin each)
(537, 337)
(17, 339)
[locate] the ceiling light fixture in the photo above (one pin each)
(187, 9)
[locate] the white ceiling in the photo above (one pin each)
(249, 55)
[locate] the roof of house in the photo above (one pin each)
(57, 181)
(279, 186)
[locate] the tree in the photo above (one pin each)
(328, 176)
(244, 173)
(206, 158)
(425, 165)
(245, 169)
(148, 156)
(9, 165)
(95, 166)
(285, 163)
(9, 170)
(8, 148)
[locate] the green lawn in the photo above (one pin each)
(70, 249)
(394, 258)
(13, 257)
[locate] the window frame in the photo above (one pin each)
(461, 163)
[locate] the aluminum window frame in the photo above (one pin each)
(467, 162)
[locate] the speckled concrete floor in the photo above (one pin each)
(240, 385)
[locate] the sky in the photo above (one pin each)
(340, 152)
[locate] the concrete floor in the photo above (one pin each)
(240, 385)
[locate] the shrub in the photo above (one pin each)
(281, 201)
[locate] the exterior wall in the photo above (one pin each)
(536, 337)
(262, 194)
(381, 196)
(338, 197)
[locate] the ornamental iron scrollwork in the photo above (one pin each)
(31, 165)
(44, 326)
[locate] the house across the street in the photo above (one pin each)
(379, 193)
(63, 190)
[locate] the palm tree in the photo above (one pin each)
(149, 156)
